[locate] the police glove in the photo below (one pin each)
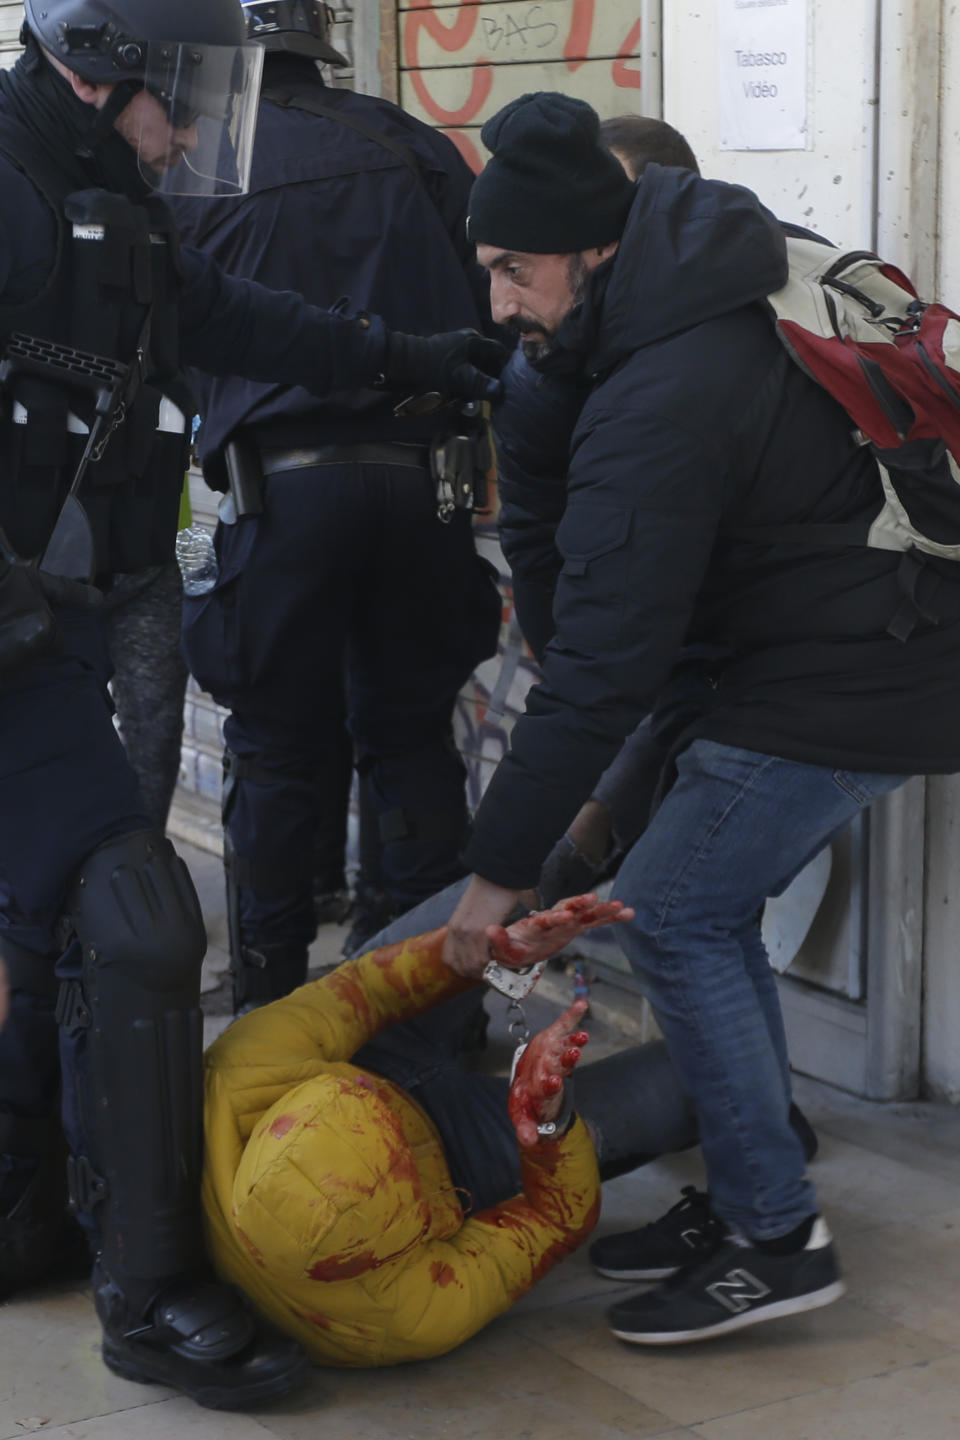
(459, 364)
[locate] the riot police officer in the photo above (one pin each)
(339, 555)
(112, 102)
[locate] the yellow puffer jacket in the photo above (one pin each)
(326, 1189)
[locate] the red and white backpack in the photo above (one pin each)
(856, 325)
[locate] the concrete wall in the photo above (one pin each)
(828, 186)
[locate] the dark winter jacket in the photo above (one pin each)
(533, 426)
(697, 424)
(332, 212)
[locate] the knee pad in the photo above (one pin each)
(133, 907)
(133, 1036)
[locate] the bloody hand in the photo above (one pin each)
(544, 933)
(535, 1095)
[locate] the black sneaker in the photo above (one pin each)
(736, 1286)
(655, 1251)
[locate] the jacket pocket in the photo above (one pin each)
(588, 534)
(591, 597)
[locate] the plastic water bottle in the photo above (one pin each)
(197, 559)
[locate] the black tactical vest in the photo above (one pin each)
(112, 298)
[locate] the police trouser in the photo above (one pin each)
(346, 582)
(90, 891)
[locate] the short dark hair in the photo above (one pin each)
(641, 139)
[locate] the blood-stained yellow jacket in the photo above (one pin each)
(326, 1189)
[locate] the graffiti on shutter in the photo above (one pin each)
(461, 62)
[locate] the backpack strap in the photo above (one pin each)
(306, 100)
(910, 612)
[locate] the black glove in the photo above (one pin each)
(459, 364)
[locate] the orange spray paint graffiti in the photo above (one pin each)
(488, 33)
(452, 38)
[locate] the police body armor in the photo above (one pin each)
(102, 331)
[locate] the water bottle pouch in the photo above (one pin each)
(213, 624)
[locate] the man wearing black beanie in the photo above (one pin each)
(557, 193)
(696, 427)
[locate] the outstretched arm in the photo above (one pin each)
(332, 1017)
(476, 927)
(232, 326)
(544, 933)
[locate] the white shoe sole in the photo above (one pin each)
(756, 1316)
(637, 1274)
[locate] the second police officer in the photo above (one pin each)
(342, 568)
(100, 929)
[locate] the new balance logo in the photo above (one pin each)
(738, 1290)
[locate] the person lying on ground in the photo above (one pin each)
(374, 1201)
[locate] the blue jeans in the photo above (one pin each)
(734, 829)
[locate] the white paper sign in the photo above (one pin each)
(763, 74)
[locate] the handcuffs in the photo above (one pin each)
(516, 985)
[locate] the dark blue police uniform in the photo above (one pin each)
(347, 571)
(65, 783)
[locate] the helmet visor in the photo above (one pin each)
(198, 117)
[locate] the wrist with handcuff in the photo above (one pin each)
(556, 1129)
(516, 985)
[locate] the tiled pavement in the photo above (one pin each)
(882, 1364)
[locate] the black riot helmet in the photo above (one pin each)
(106, 41)
(191, 56)
(300, 26)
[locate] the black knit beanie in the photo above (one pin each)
(551, 187)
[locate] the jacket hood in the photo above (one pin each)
(692, 250)
(328, 1185)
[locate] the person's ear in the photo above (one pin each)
(595, 257)
(90, 94)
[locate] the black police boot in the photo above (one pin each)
(40, 1242)
(197, 1336)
